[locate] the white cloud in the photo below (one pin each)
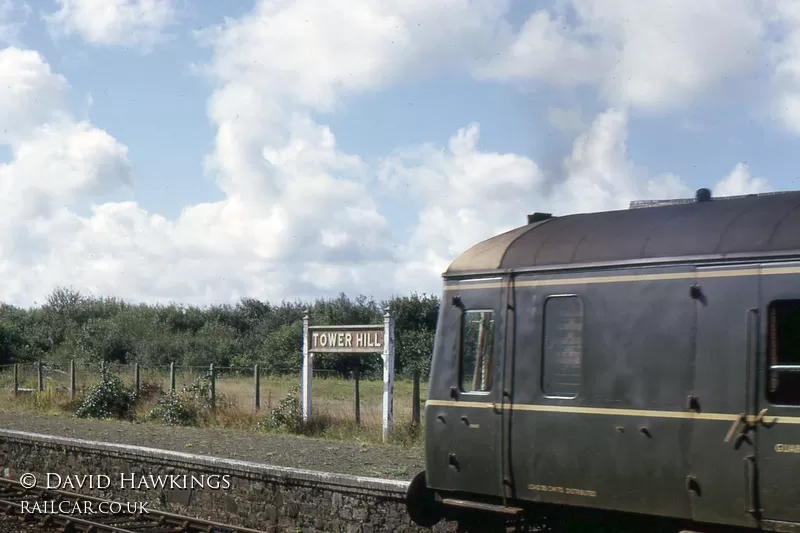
(300, 218)
(113, 22)
(469, 195)
(740, 181)
(220, 251)
(308, 213)
(785, 53)
(653, 55)
(547, 49)
(669, 53)
(285, 59)
(600, 176)
(58, 163)
(54, 162)
(313, 51)
(30, 93)
(51, 153)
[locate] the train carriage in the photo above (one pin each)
(643, 361)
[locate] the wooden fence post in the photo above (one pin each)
(172, 378)
(357, 395)
(137, 378)
(213, 391)
(39, 376)
(415, 399)
(16, 379)
(257, 388)
(72, 379)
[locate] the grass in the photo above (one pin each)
(333, 411)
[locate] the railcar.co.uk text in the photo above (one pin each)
(83, 507)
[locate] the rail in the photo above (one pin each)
(13, 497)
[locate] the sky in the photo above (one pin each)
(204, 152)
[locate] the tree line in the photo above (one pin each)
(69, 325)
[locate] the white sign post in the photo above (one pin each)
(351, 340)
(388, 374)
(308, 367)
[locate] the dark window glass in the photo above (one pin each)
(562, 352)
(783, 352)
(477, 351)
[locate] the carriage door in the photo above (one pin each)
(726, 303)
(777, 422)
(475, 419)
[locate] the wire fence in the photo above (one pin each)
(352, 396)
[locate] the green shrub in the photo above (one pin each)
(173, 410)
(199, 392)
(184, 407)
(288, 416)
(108, 399)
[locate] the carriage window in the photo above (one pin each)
(477, 350)
(783, 351)
(563, 346)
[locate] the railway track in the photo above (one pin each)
(87, 514)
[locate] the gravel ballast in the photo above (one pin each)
(12, 524)
(374, 460)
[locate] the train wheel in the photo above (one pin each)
(423, 509)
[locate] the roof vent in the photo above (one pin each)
(703, 195)
(536, 217)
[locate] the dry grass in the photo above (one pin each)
(333, 410)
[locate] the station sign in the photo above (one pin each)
(351, 339)
(346, 339)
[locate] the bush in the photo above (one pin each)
(173, 410)
(288, 416)
(185, 407)
(108, 399)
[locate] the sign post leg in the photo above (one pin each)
(388, 374)
(308, 367)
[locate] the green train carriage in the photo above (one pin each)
(641, 362)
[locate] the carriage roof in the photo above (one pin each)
(748, 226)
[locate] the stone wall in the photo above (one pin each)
(258, 496)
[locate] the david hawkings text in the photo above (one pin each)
(133, 481)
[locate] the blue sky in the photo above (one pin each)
(297, 149)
